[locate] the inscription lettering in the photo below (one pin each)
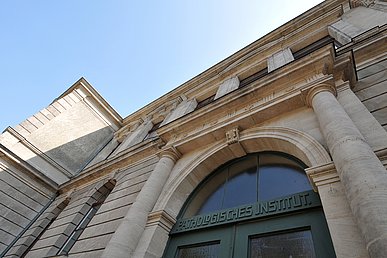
(285, 204)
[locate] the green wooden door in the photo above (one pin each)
(296, 235)
(261, 205)
(214, 242)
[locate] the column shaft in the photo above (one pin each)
(362, 174)
(125, 239)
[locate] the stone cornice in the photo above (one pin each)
(38, 152)
(283, 86)
(292, 34)
(112, 115)
(7, 154)
(135, 154)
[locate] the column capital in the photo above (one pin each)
(170, 152)
(314, 90)
(322, 175)
(161, 218)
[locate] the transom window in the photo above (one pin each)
(255, 178)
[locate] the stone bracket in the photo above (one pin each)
(232, 136)
(279, 59)
(227, 86)
(232, 139)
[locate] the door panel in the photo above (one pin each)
(296, 235)
(289, 244)
(310, 228)
(212, 243)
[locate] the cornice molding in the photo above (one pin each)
(5, 153)
(38, 152)
(120, 162)
(292, 32)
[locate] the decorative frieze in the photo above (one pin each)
(365, 3)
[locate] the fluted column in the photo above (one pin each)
(362, 174)
(125, 239)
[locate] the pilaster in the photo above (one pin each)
(346, 237)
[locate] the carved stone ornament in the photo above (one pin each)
(365, 3)
(121, 134)
(232, 136)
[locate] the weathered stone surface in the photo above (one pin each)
(279, 59)
(91, 244)
(227, 86)
(133, 224)
(185, 107)
(352, 156)
(372, 91)
(135, 136)
(356, 21)
(104, 153)
(25, 188)
(72, 146)
(368, 126)
(343, 31)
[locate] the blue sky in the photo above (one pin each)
(132, 52)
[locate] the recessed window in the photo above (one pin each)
(99, 197)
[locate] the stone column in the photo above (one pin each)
(362, 174)
(125, 239)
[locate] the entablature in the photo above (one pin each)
(276, 93)
(295, 34)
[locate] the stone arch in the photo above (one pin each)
(281, 139)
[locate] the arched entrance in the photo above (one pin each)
(260, 205)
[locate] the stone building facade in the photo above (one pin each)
(78, 180)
